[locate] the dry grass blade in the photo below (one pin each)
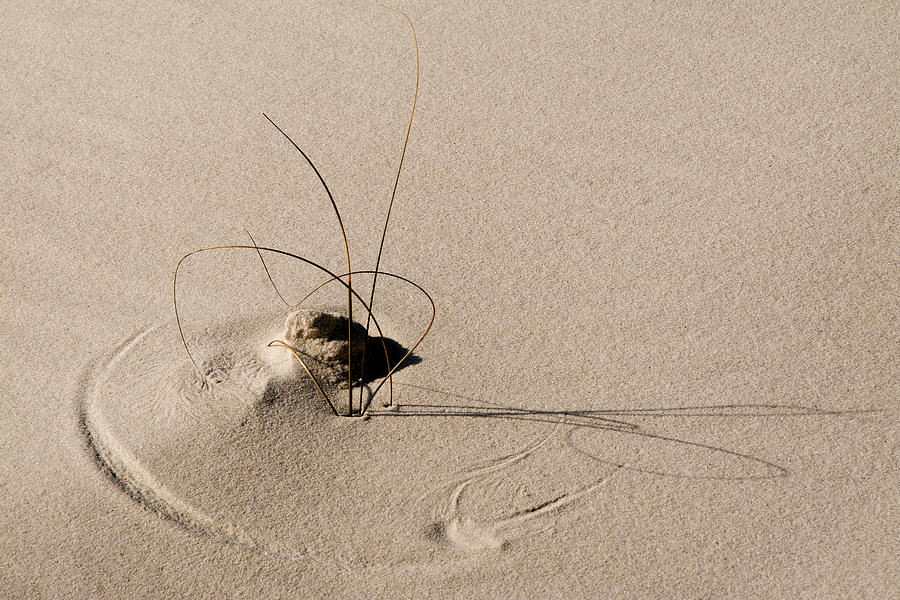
(325, 270)
(308, 372)
(346, 249)
(370, 317)
(393, 192)
(266, 268)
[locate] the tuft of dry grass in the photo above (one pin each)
(348, 284)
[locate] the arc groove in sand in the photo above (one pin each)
(448, 513)
(132, 477)
(139, 483)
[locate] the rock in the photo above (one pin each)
(323, 335)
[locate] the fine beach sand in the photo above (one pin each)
(662, 244)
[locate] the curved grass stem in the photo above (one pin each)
(393, 195)
(391, 369)
(308, 372)
(333, 276)
(266, 268)
(370, 318)
(349, 268)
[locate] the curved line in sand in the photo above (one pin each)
(474, 536)
(128, 473)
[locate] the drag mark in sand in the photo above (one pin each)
(466, 533)
(127, 472)
(472, 534)
(243, 461)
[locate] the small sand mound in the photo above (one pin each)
(247, 453)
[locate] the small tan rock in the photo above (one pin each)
(323, 335)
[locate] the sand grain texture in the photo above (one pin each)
(663, 246)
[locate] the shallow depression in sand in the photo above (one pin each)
(256, 458)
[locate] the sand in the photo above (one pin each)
(661, 241)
